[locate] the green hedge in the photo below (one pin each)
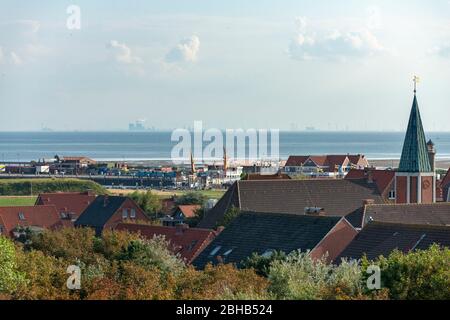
(19, 187)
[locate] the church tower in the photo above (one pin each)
(415, 180)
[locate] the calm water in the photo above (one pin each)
(25, 146)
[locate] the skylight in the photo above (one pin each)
(228, 252)
(215, 251)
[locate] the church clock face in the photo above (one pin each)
(426, 184)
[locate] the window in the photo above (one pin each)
(1, 229)
(133, 213)
(21, 216)
(228, 252)
(215, 251)
(392, 194)
(124, 213)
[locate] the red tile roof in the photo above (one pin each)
(382, 178)
(188, 242)
(330, 161)
(67, 202)
(296, 161)
(189, 210)
(29, 216)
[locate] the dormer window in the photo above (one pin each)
(125, 213)
(21, 216)
(392, 195)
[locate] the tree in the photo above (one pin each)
(261, 264)
(221, 282)
(10, 276)
(301, 277)
(71, 244)
(191, 198)
(229, 216)
(421, 274)
(149, 202)
(153, 253)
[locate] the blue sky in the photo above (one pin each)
(252, 64)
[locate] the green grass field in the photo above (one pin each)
(17, 201)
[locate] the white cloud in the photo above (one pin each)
(15, 59)
(124, 53)
(186, 51)
(335, 44)
(32, 26)
(442, 51)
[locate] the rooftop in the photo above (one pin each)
(255, 232)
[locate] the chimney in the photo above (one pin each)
(368, 202)
(89, 192)
(181, 228)
(369, 175)
(431, 154)
(314, 211)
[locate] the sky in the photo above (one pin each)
(283, 64)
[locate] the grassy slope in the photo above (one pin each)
(210, 194)
(25, 187)
(17, 201)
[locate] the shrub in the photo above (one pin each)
(300, 277)
(152, 254)
(262, 264)
(10, 276)
(220, 282)
(421, 274)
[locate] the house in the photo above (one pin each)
(34, 217)
(264, 233)
(445, 185)
(333, 197)
(383, 179)
(71, 164)
(425, 214)
(381, 238)
(326, 165)
(105, 212)
(69, 205)
(181, 214)
(185, 241)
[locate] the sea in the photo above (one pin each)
(151, 145)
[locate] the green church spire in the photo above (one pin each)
(415, 154)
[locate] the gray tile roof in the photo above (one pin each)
(337, 197)
(100, 211)
(259, 232)
(378, 238)
(427, 214)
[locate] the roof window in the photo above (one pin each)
(215, 251)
